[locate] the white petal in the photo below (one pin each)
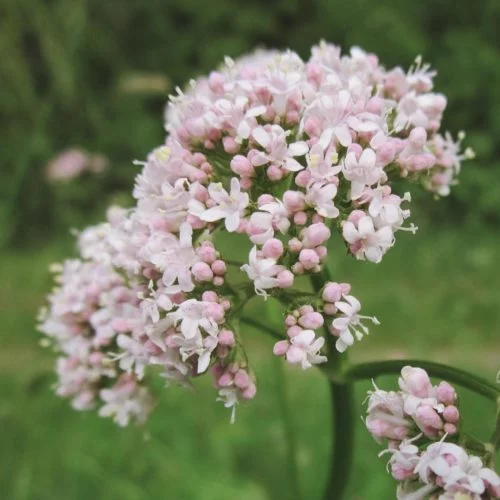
(365, 226)
(293, 165)
(298, 149)
(261, 136)
(232, 222)
(213, 214)
(350, 233)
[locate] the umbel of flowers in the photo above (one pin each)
(419, 423)
(289, 154)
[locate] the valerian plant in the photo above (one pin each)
(286, 153)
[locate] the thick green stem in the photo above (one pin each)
(344, 418)
(282, 397)
(343, 414)
(462, 378)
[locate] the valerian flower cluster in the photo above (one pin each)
(419, 423)
(282, 152)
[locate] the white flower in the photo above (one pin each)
(229, 396)
(304, 349)
(124, 401)
(468, 474)
(192, 315)
(229, 206)
(262, 272)
(278, 152)
(133, 354)
(433, 460)
(350, 325)
(387, 211)
(367, 242)
(320, 164)
(197, 345)
(174, 257)
(321, 198)
(362, 172)
(271, 216)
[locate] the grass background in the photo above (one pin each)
(65, 67)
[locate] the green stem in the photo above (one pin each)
(342, 400)
(495, 438)
(293, 468)
(455, 375)
(343, 414)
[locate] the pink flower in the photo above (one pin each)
(228, 206)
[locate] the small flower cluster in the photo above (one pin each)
(92, 311)
(72, 163)
(285, 153)
(411, 421)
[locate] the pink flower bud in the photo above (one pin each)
(219, 267)
(446, 394)
(274, 173)
(450, 428)
(426, 416)
(249, 392)
(246, 183)
(332, 292)
(225, 380)
(218, 281)
(311, 321)
(207, 253)
(209, 296)
(202, 272)
(300, 218)
(285, 279)
(230, 145)
(302, 178)
(242, 166)
(242, 379)
(273, 248)
(316, 234)
(293, 331)
(198, 158)
(290, 320)
(305, 309)
(264, 199)
(281, 347)
(329, 309)
(293, 201)
(451, 414)
(321, 251)
(226, 337)
(308, 258)
(415, 381)
(295, 245)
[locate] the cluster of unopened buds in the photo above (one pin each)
(284, 152)
(420, 424)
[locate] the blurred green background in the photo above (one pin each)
(94, 74)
